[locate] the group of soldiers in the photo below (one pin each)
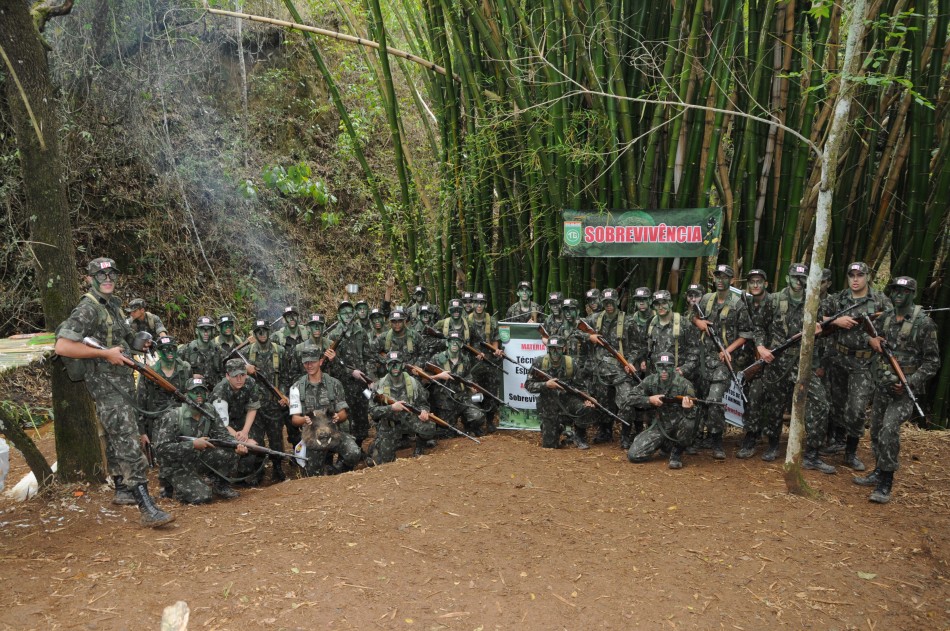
(662, 375)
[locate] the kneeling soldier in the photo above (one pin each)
(556, 407)
(187, 463)
(394, 420)
(675, 422)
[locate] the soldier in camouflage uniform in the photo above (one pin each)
(455, 321)
(316, 340)
(639, 318)
(362, 315)
(109, 382)
(557, 408)
(153, 401)
(228, 336)
(393, 421)
(484, 328)
(142, 320)
(430, 345)
(398, 338)
(780, 317)
(850, 359)
(728, 313)
(468, 302)
(675, 423)
(756, 294)
(641, 312)
(912, 338)
(237, 399)
(525, 310)
(377, 324)
(610, 380)
(554, 320)
(591, 301)
(671, 332)
(288, 338)
(450, 407)
(266, 359)
(576, 342)
(354, 356)
(419, 297)
(188, 463)
(322, 392)
(205, 357)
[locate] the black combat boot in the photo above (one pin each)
(277, 473)
(836, 442)
(870, 479)
(167, 491)
(152, 516)
(222, 489)
(772, 452)
(420, 449)
(882, 494)
(580, 437)
(718, 453)
(850, 454)
(625, 437)
(676, 457)
(748, 446)
(490, 424)
(123, 496)
(604, 433)
(813, 461)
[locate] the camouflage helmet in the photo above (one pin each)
(695, 289)
(555, 342)
(136, 303)
(317, 318)
(609, 295)
(418, 289)
(641, 293)
(757, 272)
(662, 295)
(197, 381)
(524, 285)
(165, 340)
(725, 270)
(235, 367)
(425, 309)
(570, 303)
(343, 304)
(904, 282)
(394, 357)
(361, 302)
(310, 354)
(376, 312)
(798, 269)
(99, 264)
(455, 305)
(592, 294)
(467, 296)
(289, 309)
(664, 359)
(204, 322)
(479, 297)
(454, 336)
(261, 325)
(555, 298)
(859, 267)
(225, 318)
(397, 315)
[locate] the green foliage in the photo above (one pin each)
(297, 184)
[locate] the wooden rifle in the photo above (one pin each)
(492, 349)
(566, 387)
(588, 329)
(382, 398)
(418, 372)
(713, 333)
(264, 380)
(428, 330)
(256, 449)
(678, 399)
(434, 369)
(895, 365)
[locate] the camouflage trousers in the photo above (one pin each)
(617, 398)
(119, 422)
(388, 434)
(357, 423)
(343, 445)
(187, 475)
(487, 377)
(771, 394)
(449, 409)
(559, 411)
(679, 428)
(270, 417)
(886, 428)
(852, 388)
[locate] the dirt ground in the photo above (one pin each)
(500, 535)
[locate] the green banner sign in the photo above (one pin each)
(642, 233)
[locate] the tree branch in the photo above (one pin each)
(43, 13)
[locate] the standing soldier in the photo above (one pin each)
(398, 338)
(267, 358)
(611, 381)
(228, 336)
(317, 341)
(394, 420)
(850, 358)
(288, 338)
(484, 328)
(187, 463)
(756, 294)
(203, 353)
(430, 345)
(556, 317)
(377, 324)
(727, 313)
(362, 315)
(675, 422)
(468, 302)
(639, 319)
(353, 358)
(109, 382)
(641, 313)
(142, 320)
(420, 297)
(674, 334)
(592, 301)
(911, 336)
(324, 393)
(153, 401)
(525, 309)
(455, 322)
(236, 399)
(780, 317)
(459, 404)
(556, 407)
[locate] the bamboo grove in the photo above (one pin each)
(533, 106)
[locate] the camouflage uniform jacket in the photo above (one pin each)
(153, 398)
(779, 318)
(207, 362)
(180, 421)
(678, 336)
(150, 323)
(447, 325)
(228, 345)
(407, 389)
(674, 413)
(617, 331)
(913, 341)
(568, 370)
(519, 312)
(484, 329)
(352, 349)
(462, 367)
(731, 320)
(268, 359)
(321, 344)
(856, 338)
(410, 344)
(288, 341)
(239, 401)
(326, 395)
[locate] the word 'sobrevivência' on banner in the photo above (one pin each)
(642, 233)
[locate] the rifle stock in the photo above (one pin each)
(385, 400)
(678, 399)
(431, 332)
(433, 369)
(586, 328)
(711, 332)
(577, 392)
(264, 380)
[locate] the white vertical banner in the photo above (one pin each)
(522, 342)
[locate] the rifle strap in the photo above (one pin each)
(620, 321)
(568, 365)
(723, 314)
(275, 357)
(104, 315)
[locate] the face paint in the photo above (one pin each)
(362, 311)
(641, 305)
(395, 369)
(901, 297)
(227, 330)
(480, 307)
(204, 334)
(796, 283)
(722, 282)
(261, 335)
(346, 315)
(291, 322)
(168, 353)
(664, 370)
(316, 330)
(198, 395)
(662, 307)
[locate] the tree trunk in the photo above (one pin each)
(11, 428)
(32, 103)
(794, 481)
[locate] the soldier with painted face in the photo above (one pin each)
(912, 337)
(641, 311)
(399, 338)
(153, 401)
(188, 464)
(109, 381)
(675, 422)
(592, 301)
(756, 295)
(672, 333)
(228, 337)
(558, 409)
(362, 315)
(694, 293)
(377, 324)
(450, 407)
(354, 356)
(729, 315)
(611, 382)
(430, 344)
(393, 421)
(455, 321)
(780, 317)
(639, 317)
(142, 320)
(555, 318)
(576, 342)
(468, 302)
(288, 338)
(267, 360)
(484, 328)
(237, 399)
(322, 392)
(204, 355)
(420, 297)
(850, 359)
(525, 309)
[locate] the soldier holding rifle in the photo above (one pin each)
(551, 376)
